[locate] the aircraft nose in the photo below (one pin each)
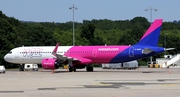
(6, 58)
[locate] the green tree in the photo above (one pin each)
(87, 32)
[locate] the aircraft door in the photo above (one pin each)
(131, 52)
(94, 52)
(67, 53)
(17, 55)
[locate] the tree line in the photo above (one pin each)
(15, 33)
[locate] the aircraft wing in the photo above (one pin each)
(79, 59)
(62, 57)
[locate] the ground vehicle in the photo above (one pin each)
(153, 64)
(2, 69)
(33, 67)
(125, 65)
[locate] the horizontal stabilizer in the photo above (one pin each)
(167, 49)
(147, 51)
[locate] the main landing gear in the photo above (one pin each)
(71, 67)
(21, 67)
(89, 68)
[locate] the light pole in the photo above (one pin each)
(165, 36)
(73, 8)
(151, 9)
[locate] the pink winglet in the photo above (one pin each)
(55, 49)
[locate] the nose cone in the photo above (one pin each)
(6, 57)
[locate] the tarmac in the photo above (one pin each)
(142, 82)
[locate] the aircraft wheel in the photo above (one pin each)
(74, 69)
(21, 68)
(71, 69)
(89, 68)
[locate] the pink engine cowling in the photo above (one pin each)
(50, 63)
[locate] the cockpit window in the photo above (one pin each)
(10, 52)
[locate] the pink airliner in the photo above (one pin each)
(83, 56)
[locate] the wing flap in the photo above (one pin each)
(63, 57)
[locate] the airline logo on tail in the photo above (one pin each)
(152, 34)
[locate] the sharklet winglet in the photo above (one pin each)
(55, 49)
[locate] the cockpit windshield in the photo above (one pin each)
(10, 52)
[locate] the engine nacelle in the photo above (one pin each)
(50, 63)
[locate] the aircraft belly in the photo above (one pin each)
(101, 59)
(32, 60)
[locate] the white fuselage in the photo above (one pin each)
(32, 55)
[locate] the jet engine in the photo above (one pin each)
(50, 63)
